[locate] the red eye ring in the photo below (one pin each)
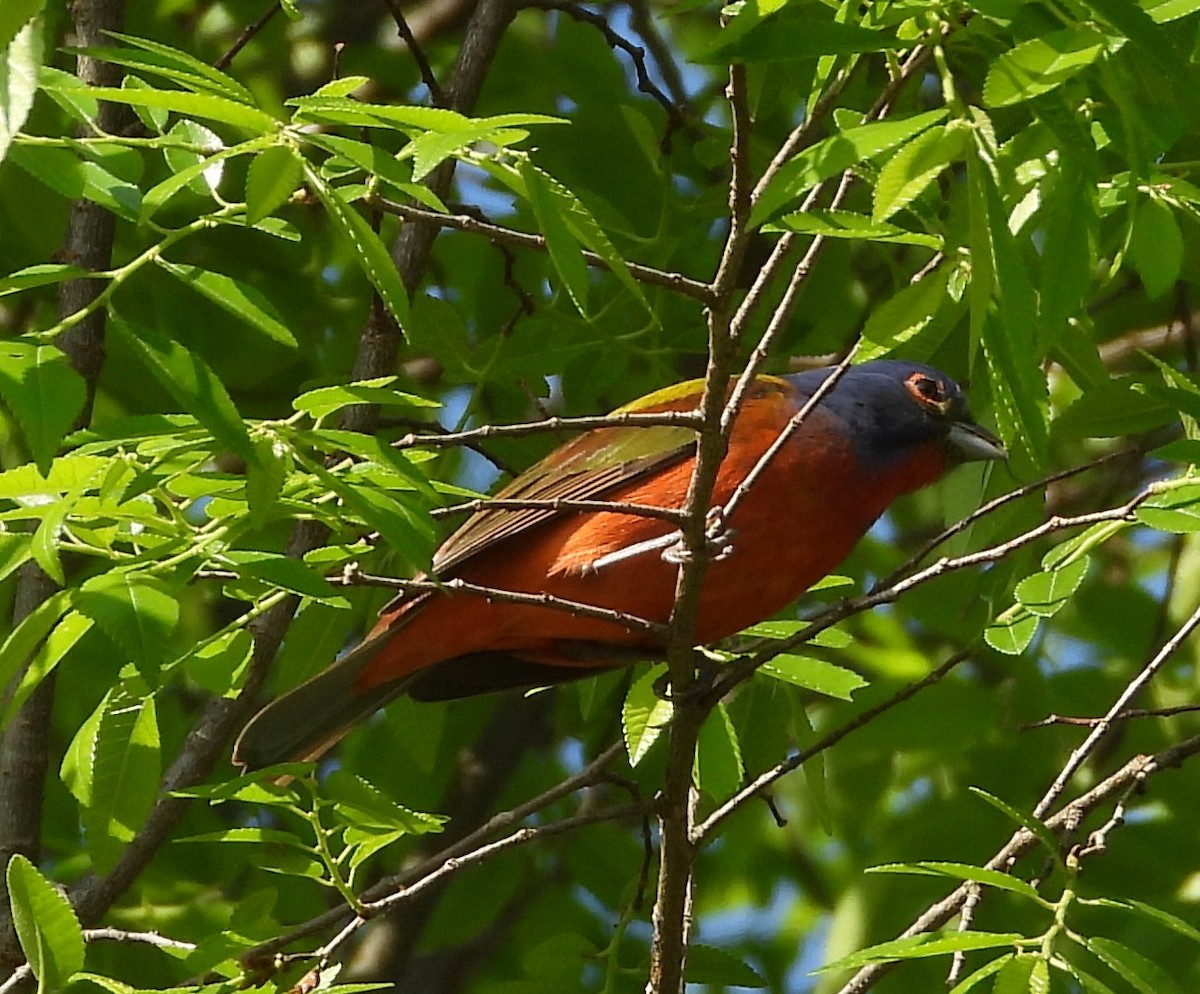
(929, 392)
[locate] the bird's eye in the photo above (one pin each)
(929, 392)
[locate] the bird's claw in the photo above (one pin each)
(718, 540)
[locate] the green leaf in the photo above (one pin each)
(78, 179)
(169, 63)
(28, 635)
(565, 251)
(239, 299)
(1176, 511)
(644, 715)
(359, 802)
(835, 154)
(1016, 975)
(20, 59)
(963, 871)
(926, 944)
(846, 224)
(274, 175)
(370, 251)
(15, 15)
(916, 165)
(180, 179)
(718, 768)
(138, 612)
(1007, 333)
(792, 35)
(206, 106)
(719, 969)
(814, 674)
(45, 394)
(973, 980)
(1032, 824)
(1045, 593)
(49, 932)
(221, 665)
(324, 401)
(1039, 65)
(904, 317)
(43, 274)
(1151, 913)
(197, 156)
(1142, 974)
(61, 640)
(1069, 253)
(1113, 409)
(113, 769)
(408, 531)
(1012, 631)
(380, 163)
(282, 571)
(191, 383)
(1156, 247)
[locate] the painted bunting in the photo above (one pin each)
(885, 428)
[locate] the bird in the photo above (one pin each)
(883, 429)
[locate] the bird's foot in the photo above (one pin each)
(718, 540)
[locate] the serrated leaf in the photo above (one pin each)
(137, 611)
(179, 179)
(915, 166)
(1007, 332)
(196, 156)
(190, 382)
(1069, 253)
(408, 531)
(24, 639)
(1114, 409)
(1156, 247)
(1151, 913)
(566, 254)
(221, 665)
(169, 63)
(963, 871)
(1142, 974)
(644, 715)
(788, 36)
(44, 274)
(1039, 65)
(926, 944)
(1012, 631)
(905, 316)
(255, 836)
(60, 641)
(847, 224)
(361, 803)
(1016, 974)
(49, 932)
(324, 401)
(814, 674)
(1033, 825)
(719, 969)
(1176, 511)
(273, 177)
(20, 59)
(113, 769)
(831, 156)
(45, 394)
(282, 571)
(78, 179)
(718, 769)
(238, 298)
(369, 250)
(206, 106)
(1045, 593)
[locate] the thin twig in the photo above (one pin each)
(500, 235)
(1081, 753)
(247, 36)
(1126, 715)
(417, 52)
(636, 55)
(759, 784)
(671, 514)
(456, 585)
(682, 419)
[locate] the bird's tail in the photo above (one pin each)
(306, 722)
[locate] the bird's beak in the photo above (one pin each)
(971, 443)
